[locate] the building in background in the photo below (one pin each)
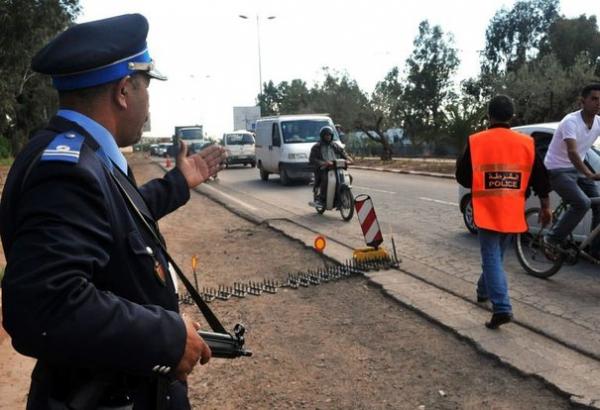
(244, 118)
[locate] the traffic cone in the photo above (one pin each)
(168, 162)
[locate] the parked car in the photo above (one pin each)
(542, 135)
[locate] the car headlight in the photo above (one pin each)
(300, 155)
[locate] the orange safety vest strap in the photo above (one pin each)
(502, 167)
(498, 192)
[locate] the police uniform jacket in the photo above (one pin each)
(83, 291)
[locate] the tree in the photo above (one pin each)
(465, 116)
(27, 99)
(294, 97)
(543, 90)
(340, 97)
(428, 84)
(385, 111)
(515, 36)
(269, 99)
(570, 38)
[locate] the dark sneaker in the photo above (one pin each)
(499, 319)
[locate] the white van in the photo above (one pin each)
(240, 148)
(283, 145)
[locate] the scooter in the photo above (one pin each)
(339, 193)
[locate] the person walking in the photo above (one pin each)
(498, 165)
(87, 289)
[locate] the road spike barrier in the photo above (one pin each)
(351, 267)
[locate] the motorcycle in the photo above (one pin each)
(339, 193)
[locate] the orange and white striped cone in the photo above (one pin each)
(368, 220)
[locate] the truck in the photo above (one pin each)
(192, 135)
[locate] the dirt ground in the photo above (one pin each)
(340, 345)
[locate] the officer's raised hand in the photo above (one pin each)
(199, 167)
(196, 350)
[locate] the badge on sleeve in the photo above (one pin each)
(64, 147)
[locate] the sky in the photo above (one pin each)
(210, 54)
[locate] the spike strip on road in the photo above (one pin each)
(294, 280)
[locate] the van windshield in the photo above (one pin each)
(239, 139)
(299, 131)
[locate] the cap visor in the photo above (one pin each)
(154, 73)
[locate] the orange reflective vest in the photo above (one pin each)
(502, 161)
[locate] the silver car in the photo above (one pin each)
(542, 135)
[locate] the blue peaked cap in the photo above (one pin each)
(97, 52)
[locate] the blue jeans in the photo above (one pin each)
(492, 282)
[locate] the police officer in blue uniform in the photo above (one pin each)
(87, 289)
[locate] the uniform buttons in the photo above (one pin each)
(70, 135)
(149, 250)
(44, 334)
(156, 368)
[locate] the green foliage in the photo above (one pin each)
(515, 36)
(428, 88)
(464, 117)
(388, 99)
(543, 90)
(569, 39)
(5, 150)
(338, 95)
(27, 99)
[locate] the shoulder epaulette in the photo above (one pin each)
(64, 147)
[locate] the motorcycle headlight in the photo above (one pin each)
(300, 155)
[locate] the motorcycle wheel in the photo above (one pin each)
(346, 203)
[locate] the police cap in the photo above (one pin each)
(97, 52)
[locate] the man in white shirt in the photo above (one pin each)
(569, 176)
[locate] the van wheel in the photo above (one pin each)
(283, 176)
(264, 175)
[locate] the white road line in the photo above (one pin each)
(437, 201)
(372, 189)
(231, 198)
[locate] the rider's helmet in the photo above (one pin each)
(325, 131)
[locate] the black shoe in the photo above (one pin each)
(482, 299)
(499, 319)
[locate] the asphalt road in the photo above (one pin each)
(423, 216)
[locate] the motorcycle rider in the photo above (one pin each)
(322, 155)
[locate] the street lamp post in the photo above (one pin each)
(258, 41)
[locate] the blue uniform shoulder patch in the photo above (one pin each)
(64, 147)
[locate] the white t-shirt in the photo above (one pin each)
(572, 126)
